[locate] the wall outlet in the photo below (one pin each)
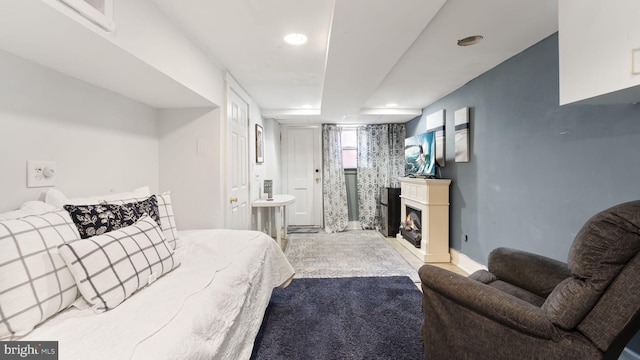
(41, 173)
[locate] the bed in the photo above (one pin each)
(209, 304)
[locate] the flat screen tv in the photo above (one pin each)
(420, 155)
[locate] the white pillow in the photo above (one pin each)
(56, 198)
(34, 281)
(165, 211)
(111, 267)
(27, 209)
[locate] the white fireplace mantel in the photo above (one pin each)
(431, 197)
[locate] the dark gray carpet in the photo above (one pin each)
(342, 318)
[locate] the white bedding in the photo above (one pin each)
(210, 307)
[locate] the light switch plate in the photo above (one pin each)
(41, 173)
(201, 147)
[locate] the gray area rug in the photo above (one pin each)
(343, 318)
(302, 230)
(346, 254)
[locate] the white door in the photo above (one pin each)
(238, 207)
(301, 154)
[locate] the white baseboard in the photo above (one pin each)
(354, 225)
(464, 262)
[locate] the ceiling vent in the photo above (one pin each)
(470, 40)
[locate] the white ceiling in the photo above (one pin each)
(361, 54)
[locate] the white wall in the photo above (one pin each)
(602, 72)
(270, 168)
(191, 166)
(258, 171)
(101, 142)
(139, 145)
(143, 30)
(272, 158)
(272, 154)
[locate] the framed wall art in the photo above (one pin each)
(462, 134)
(259, 144)
(436, 123)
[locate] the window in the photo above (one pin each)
(99, 12)
(349, 140)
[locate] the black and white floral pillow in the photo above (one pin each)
(147, 206)
(98, 219)
(165, 213)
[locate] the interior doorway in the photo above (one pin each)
(302, 173)
(237, 166)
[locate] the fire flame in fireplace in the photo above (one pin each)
(408, 223)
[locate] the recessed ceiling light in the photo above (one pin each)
(470, 40)
(296, 39)
(391, 105)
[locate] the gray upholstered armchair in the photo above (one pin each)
(528, 306)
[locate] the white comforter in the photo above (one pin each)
(211, 307)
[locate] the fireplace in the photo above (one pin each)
(424, 216)
(411, 227)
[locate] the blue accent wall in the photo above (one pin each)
(537, 170)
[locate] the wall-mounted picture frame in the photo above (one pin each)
(259, 144)
(461, 117)
(436, 123)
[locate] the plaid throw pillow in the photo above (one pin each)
(111, 267)
(34, 281)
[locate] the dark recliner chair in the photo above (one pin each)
(528, 306)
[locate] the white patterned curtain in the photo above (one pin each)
(334, 188)
(380, 163)
(397, 134)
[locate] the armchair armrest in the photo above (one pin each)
(535, 273)
(489, 302)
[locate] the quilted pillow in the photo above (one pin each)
(58, 199)
(165, 212)
(34, 281)
(27, 209)
(111, 267)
